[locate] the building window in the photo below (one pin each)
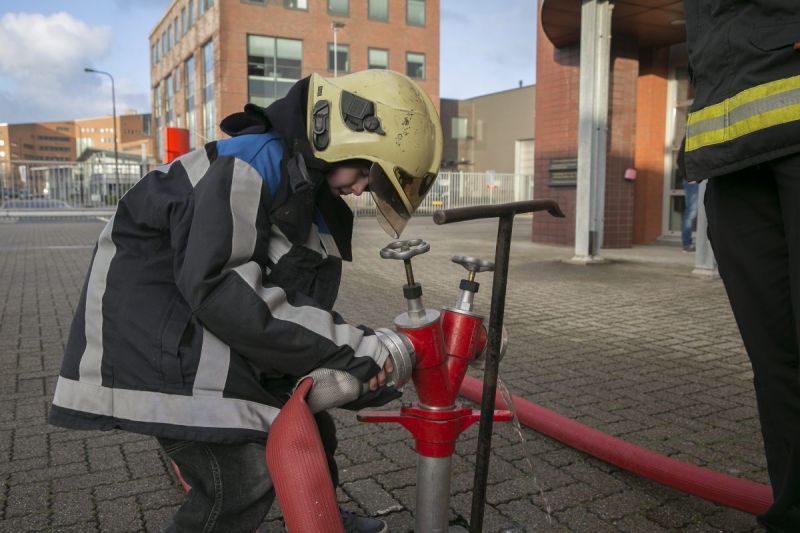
(153, 57)
(377, 58)
(163, 43)
(177, 78)
(209, 114)
(183, 21)
(190, 16)
(191, 121)
(378, 10)
(339, 7)
(458, 127)
(169, 99)
(273, 66)
(415, 65)
(415, 12)
(200, 8)
(339, 61)
(175, 35)
(295, 4)
(159, 124)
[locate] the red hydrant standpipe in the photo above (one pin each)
(443, 344)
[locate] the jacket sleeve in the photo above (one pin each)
(220, 241)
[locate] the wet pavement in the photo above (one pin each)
(638, 348)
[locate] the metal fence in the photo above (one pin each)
(67, 184)
(93, 184)
(461, 189)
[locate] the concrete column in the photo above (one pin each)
(592, 128)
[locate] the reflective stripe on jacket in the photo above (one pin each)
(746, 73)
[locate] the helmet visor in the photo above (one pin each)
(391, 211)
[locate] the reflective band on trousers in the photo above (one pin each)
(754, 109)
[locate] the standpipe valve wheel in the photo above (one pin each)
(469, 287)
(405, 250)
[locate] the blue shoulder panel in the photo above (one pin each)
(263, 151)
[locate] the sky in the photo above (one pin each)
(46, 44)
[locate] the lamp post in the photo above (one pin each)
(336, 26)
(114, 115)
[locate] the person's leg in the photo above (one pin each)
(327, 431)
(689, 213)
(783, 451)
(746, 230)
(231, 488)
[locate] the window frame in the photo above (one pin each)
(424, 14)
(295, 8)
(276, 78)
(377, 19)
(424, 66)
(337, 14)
(370, 49)
(330, 51)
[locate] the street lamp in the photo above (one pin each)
(336, 26)
(114, 114)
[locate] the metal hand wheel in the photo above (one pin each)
(473, 264)
(405, 250)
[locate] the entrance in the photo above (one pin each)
(680, 95)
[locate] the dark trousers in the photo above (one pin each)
(754, 228)
(231, 487)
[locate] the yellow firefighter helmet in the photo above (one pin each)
(383, 117)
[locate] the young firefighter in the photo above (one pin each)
(211, 289)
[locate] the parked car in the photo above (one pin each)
(35, 203)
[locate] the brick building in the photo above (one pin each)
(209, 58)
(134, 135)
(38, 141)
(66, 140)
(645, 76)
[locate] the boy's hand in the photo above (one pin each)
(380, 379)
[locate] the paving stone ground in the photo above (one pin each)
(641, 350)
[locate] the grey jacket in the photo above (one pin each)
(198, 314)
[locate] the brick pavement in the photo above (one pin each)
(642, 351)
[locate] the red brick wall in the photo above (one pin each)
(556, 133)
(229, 21)
(313, 27)
(557, 97)
(650, 131)
(618, 225)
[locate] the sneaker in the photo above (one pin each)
(361, 524)
(689, 249)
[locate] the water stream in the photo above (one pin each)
(518, 427)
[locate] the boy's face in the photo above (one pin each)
(348, 179)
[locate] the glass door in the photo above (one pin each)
(680, 98)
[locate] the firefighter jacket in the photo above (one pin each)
(746, 72)
(210, 292)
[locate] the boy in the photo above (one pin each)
(211, 289)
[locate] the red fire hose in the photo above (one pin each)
(726, 490)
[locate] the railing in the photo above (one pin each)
(67, 184)
(461, 189)
(93, 184)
